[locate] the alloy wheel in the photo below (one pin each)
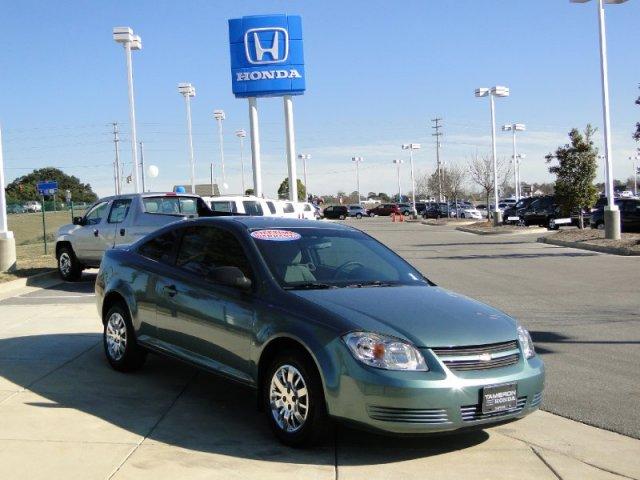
(116, 336)
(289, 398)
(64, 264)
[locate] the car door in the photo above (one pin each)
(630, 215)
(91, 239)
(206, 322)
(117, 233)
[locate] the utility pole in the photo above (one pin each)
(142, 165)
(116, 163)
(437, 126)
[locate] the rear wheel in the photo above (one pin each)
(120, 346)
(294, 400)
(69, 267)
(341, 217)
(552, 225)
(358, 216)
(600, 225)
(405, 213)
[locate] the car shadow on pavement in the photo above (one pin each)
(71, 393)
(554, 337)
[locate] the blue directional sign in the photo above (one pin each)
(47, 188)
(266, 56)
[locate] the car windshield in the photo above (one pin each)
(304, 258)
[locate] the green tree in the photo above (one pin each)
(24, 188)
(283, 190)
(575, 172)
(636, 134)
(248, 191)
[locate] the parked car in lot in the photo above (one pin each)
(333, 212)
(117, 220)
(322, 321)
(358, 211)
(305, 210)
(514, 214)
(629, 215)
(540, 212)
(33, 206)
(241, 204)
(470, 213)
(382, 210)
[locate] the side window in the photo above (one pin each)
(223, 206)
(96, 214)
(119, 210)
(204, 248)
(288, 207)
(252, 208)
(307, 208)
(188, 205)
(160, 248)
(272, 207)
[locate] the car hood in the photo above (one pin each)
(68, 229)
(427, 316)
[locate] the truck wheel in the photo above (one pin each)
(69, 268)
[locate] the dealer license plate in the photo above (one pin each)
(498, 398)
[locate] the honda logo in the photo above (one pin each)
(266, 45)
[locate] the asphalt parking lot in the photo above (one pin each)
(65, 414)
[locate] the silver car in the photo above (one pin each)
(118, 220)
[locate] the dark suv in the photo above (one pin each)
(629, 215)
(383, 210)
(540, 212)
(517, 210)
(336, 211)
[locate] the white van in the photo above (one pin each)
(248, 205)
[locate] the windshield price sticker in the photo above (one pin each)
(276, 235)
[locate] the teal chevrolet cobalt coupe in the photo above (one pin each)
(323, 321)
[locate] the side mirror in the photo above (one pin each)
(78, 221)
(231, 277)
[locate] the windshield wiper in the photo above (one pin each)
(309, 286)
(372, 283)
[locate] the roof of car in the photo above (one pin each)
(276, 222)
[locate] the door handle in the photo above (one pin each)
(122, 232)
(95, 232)
(170, 290)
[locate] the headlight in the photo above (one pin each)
(526, 342)
(385, 352)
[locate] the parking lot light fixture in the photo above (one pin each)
(611, 211)
(399, 162)
(513, 128)
(411, 147)
(130, 42)
(188, 91)
(497, 91)
(357, 161)
(304, 157)
(241, 134)
(220, 117)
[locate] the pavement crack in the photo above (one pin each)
(155, 425)
(542, 459)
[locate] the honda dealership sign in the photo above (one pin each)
(266, 55)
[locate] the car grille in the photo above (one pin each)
(472, 413)
(430, 416)
(479, 357)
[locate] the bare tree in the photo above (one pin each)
(453, 180)
(481, 173)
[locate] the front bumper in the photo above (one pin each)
(439, 400)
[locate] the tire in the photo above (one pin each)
(341, 217)
(462, 215)
(69, 267)
(600, 225)
(315, 424)
(358, 216)
(118, 330)
(405, 213)
(551, 224)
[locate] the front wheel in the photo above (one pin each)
(600, 225)
(551, 225)
(341, 217)
(358, 216)
(69, 268)
(120, 346)
(294, 400)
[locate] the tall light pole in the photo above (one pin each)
(397, 163)
(411, 147)
(7, 240)
(357, 161)
(519, 156)
(635, 174)
(241, 134)
(513, 128)
(188, 91)
(129, 41)
(497, 91)
(304, 157)
(611, 211)
(219, 116)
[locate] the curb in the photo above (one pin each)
(33, 281)
(469, 222)
(492, 232)
(593, 248)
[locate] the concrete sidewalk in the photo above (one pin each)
(65, 414)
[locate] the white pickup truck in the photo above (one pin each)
(118, 220)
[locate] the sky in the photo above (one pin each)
(377, 73)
